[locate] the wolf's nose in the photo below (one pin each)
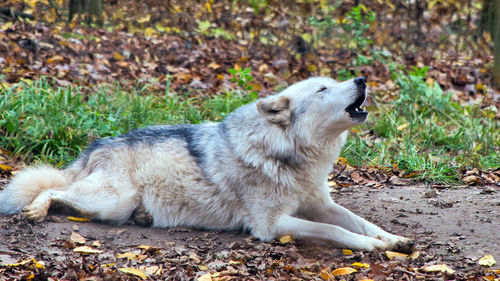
(360, 81)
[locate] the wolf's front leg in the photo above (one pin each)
(332, 213)
(304, 229)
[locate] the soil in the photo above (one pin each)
(454, 226)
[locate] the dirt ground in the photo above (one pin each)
(454, 226)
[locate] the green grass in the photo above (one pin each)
(423, 131)
(39, 122)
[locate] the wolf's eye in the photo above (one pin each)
(321, 90)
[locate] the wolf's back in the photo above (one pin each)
(27, 185)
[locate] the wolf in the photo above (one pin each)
(264, 168)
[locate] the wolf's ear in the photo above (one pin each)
(275, 110)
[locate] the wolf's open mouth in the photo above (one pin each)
(355, 110)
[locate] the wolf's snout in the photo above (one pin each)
(360, 82)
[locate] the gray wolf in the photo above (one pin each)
(264, 168)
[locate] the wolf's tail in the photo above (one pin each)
(27, 185)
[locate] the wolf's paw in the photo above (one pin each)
(404, 245)
(141, 217)
(35, 212)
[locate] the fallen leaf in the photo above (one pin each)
(205, 277)
(325, 274)
(471, 180)
(414, 255)
(77, 238)
(151, 270)
(360, 265)
(133, 271)
(55, 59)
(346, 252)
(356, 177)
(391, 255)
(286, 239)
(202, 267)
(78, 219)
(39, 264)
(5, 167)
(194, 257)
(127, 255)
(96, 244)
(487, 260)
(117, 56)
(86, 250)
(343, 271)
(438, 268)
(123, 64)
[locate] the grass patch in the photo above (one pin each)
(42, 123)
(424, 132)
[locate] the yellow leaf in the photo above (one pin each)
(325, 274)
(150, 32)
(77, 219)
(414, 255)
(343, 271)
(6, 25)
(39, 264)
(311, 67)
(360, 265)
(117, 56)
(208, 6)
(307, 37)
(5, 167)
(346, 252)
(487, 260)
(438, 267)
(127, 255)
(497, 271)
(77, 238)
(133, 271)
(342, 161)
(392, 255)
(205, 277)
(55, 59)
(86, 250)
(202, 267)
(286, 239)
(366, 280)
(144, 19)
(96, 244)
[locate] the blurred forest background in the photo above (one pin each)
(110, 66)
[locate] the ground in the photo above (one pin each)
(451, 226)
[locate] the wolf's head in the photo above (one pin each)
(317, 105)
